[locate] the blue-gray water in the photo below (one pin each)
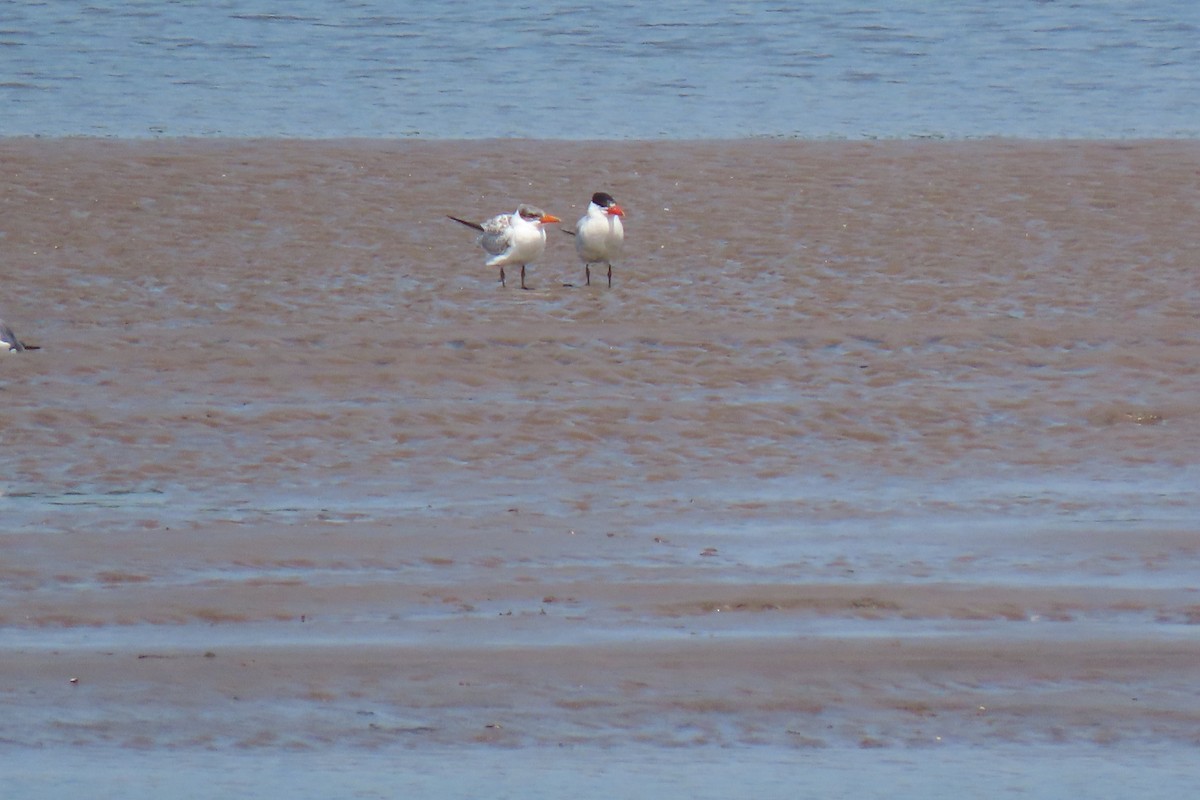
(646, 70)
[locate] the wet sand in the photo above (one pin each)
(870, 446)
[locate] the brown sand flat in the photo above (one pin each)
(877, 444)
(888, 692)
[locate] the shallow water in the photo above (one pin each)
(871, 448)
(945, 773)
(694, 70)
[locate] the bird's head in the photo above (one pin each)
(606, 203)
(535, 214)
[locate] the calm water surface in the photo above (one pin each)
(469, 69)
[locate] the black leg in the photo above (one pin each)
(587, 271)
(610, 276)
(502, 283)
(523, 286)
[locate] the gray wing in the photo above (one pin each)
(9, 340)
(497, 234)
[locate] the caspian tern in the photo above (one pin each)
(9, 343)
(516, 238)
(599, 234)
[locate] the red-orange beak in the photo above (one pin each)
(548, 218)
(615, 211)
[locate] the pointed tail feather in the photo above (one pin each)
(474, 225)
